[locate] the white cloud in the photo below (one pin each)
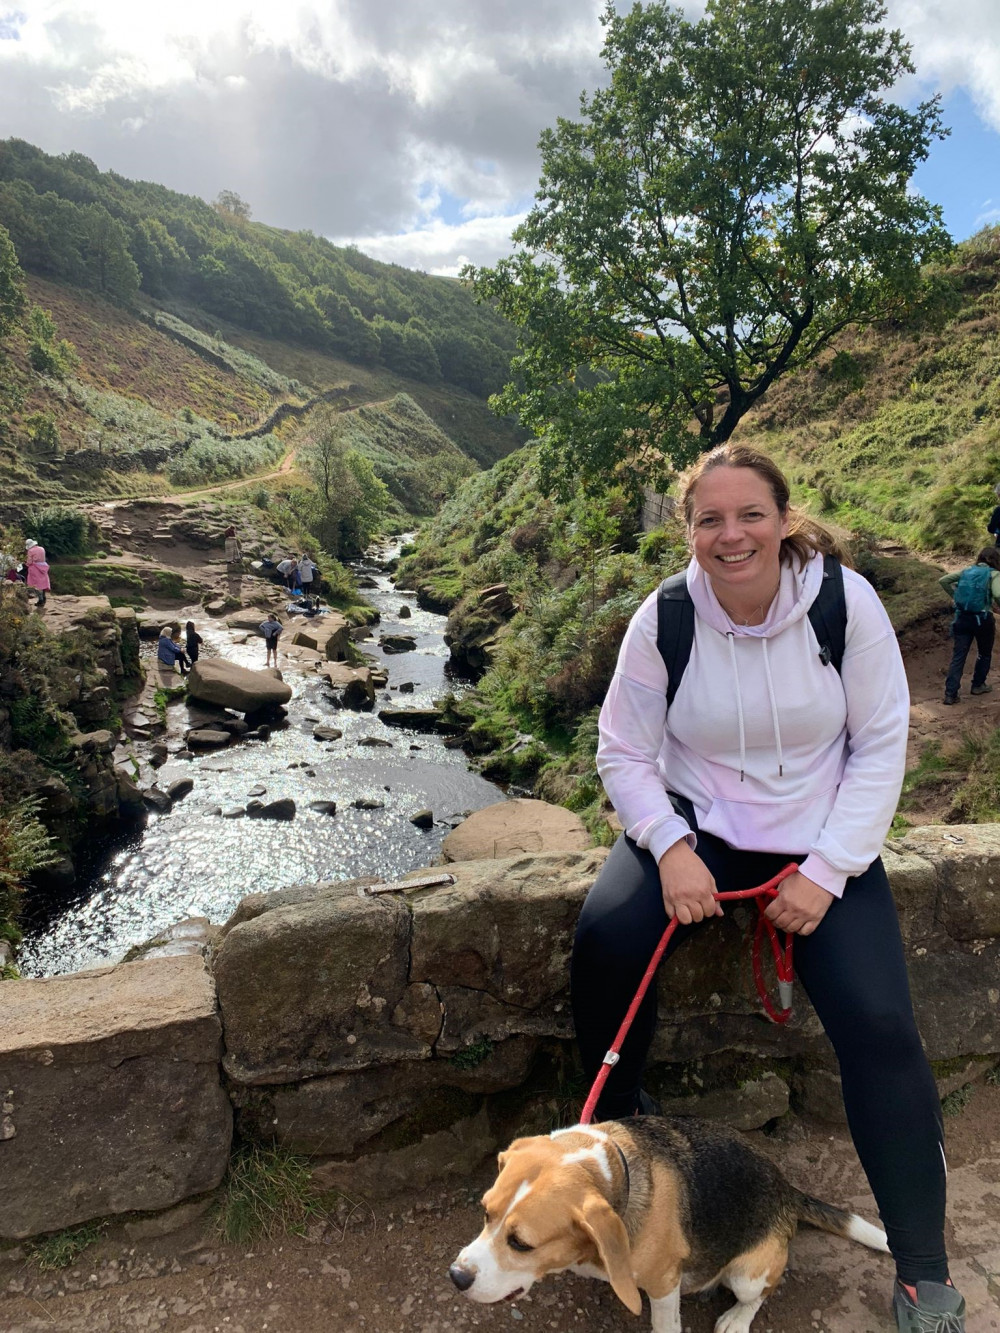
(955, 46)
(359, 118)
(351, 116)
(440, 247)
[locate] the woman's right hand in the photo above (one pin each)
(687, 885)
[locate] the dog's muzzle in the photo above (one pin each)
(463, 1278)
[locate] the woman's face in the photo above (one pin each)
(736, 530)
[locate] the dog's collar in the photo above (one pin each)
(628, 1180)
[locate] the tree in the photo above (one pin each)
(354, 500)
(738, 194)
(11, 285)
(228, 204)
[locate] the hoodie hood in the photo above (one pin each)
(796, 593)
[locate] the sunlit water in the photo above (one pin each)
(193, 862)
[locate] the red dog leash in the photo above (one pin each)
(782, 962)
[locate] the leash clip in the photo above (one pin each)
(785, 993)
(611, 1058)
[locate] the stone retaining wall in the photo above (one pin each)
(400, 1035)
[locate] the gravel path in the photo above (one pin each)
(382, 1269)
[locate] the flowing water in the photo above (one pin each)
(193, 862)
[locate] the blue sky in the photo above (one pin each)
(963, 171)
(408, 127)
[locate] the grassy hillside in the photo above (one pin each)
(124, 238)
(150, 402)
(898, 429)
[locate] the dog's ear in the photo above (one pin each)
(599, 1221)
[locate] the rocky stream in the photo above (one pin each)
(354, 797)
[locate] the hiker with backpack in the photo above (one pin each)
(758, 715)
(974, 591)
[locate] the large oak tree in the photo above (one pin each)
(738, 193)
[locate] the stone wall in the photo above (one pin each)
(399, 1035)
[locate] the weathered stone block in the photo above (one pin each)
(914, 881)
(745, 1107)
(504, 927)
(309, 988)
(336, 1115)
(966, 858)
(110, 1094)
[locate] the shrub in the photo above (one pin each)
(25, 846)
(63, 532)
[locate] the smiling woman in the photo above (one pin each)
(765, 744)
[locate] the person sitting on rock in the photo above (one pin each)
(786, 742)
(168, 648)
(8, 568)
(271, 630)
(975, 591)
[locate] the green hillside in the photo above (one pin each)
(130, 239)
(897, 429)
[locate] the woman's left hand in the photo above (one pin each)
(800, 905)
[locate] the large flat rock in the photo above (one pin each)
(215, 681)
(509, 827)
(328, 635)
(110, 1098)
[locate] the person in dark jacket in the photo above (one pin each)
(970, 627)
(993, 526)
(193, 640)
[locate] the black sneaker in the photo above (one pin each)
(951, 698)
(981, 689)
(938, 1309)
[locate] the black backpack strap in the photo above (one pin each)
(828, 614)
(674, 629)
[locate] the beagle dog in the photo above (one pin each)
(665, 1206)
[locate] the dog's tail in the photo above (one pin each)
(816, 1213)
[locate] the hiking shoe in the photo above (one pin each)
(951, 698)
(981, 689)
(938, 1309)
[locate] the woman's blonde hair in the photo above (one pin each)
(805, 536)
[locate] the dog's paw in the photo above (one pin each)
(737, 1319)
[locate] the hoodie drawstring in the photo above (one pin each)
(774, 709)
(739, 705)
(739, 701)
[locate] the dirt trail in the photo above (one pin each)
(383, 1269)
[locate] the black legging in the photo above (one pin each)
(852, 969)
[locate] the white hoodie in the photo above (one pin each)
(776, 752)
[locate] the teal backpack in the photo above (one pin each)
(974, 593)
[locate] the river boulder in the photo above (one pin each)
(215, 681)
(352, 687)
(510, 827)
(327, 635)
(397, 643)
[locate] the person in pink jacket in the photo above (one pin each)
(38, 570)
(769, 747)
